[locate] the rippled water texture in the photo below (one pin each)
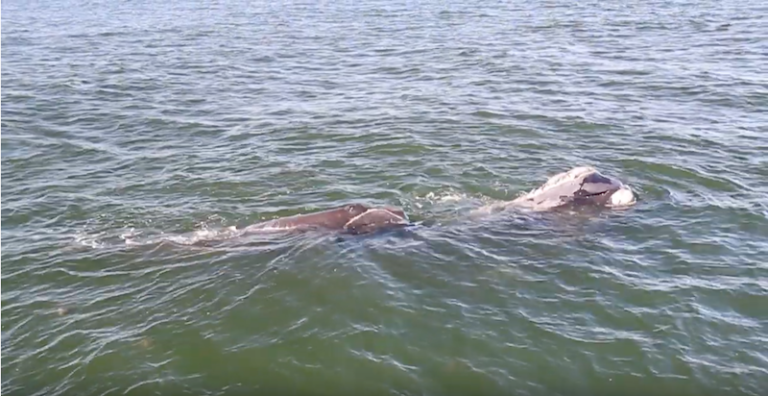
(135, 133)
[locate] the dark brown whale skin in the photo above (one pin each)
(351, 218)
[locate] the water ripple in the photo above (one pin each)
(139, 137)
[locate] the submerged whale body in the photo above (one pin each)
(349, 219)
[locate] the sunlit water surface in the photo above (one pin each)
(135, 133)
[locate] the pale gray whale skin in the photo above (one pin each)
(579, 186)
(349, 219)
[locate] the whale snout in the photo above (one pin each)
(624, 196)
(601, 190)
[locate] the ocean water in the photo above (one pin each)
(136, 134)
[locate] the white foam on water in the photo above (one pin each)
(202, 235)
(441, 197)
(89, 240)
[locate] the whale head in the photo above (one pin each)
(597, 189)
(581, 186)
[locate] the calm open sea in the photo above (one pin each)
(135, 132)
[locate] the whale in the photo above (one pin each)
(353, 218)
(582, 186)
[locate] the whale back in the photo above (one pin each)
(335, 219)
(375, 219)
(352, 218)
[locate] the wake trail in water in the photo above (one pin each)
(206, 236)
(191, 238)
